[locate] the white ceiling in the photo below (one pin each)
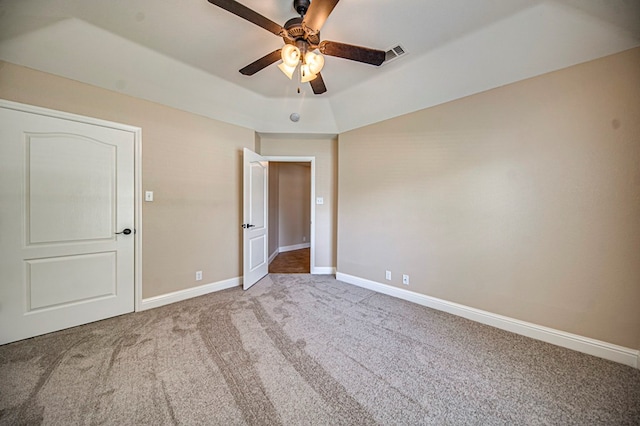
(187, 53)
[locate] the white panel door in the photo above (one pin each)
(256, 222)
(67, 193)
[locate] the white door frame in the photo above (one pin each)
(312, 237)
(137, 137)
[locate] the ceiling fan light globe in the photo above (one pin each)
(287, 70)
(305, 74)
(315, 62)
(290, 55)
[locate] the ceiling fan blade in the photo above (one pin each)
(318, 12)
(261, 63)
(250, 15)
(354, 53)
(317, 84)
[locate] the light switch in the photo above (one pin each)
(148, 196)
(319, 200)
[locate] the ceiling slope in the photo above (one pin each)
(187, 54)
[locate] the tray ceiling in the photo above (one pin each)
(187, 54)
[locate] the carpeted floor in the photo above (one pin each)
(302, 349)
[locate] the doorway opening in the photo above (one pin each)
(290, 221)
(255, 236)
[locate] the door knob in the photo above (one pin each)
(247, 226)
(126, 231)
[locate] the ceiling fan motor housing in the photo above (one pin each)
(303, 32)
(296, 32)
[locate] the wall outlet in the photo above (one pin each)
(387, 275)
(405, 279)
(304, 239)
(198, 275)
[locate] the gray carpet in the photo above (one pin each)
(305, 350)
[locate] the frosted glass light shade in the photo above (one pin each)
(315, 62)
(305, 74)
(290, 55)
(287, 70)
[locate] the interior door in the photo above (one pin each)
(66, 223)
(256, 221)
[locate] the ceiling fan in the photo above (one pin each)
(301, 36)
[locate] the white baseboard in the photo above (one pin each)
(294, 247)
(273, 255)
(576, 342)
(324, 270)
(177, 296)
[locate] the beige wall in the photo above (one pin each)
(274, 208)
(192, 163)
(324, 149)
(523, 201)
(294, 204)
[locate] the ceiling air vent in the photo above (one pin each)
(393, 54)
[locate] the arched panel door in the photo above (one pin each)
(67, 223)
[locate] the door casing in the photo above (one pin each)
(137, 132)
